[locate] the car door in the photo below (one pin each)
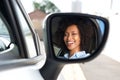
(20, 55)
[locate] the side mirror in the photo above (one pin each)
(75, 36)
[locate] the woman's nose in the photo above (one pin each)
(69, 37)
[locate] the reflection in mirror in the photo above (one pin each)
(76, 37)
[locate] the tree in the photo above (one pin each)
(45, 6)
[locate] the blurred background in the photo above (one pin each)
(106, 66)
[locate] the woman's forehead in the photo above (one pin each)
(72, 28)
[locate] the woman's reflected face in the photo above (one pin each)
(72, 38)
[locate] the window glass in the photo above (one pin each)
(4, 35)
(3, 29)
(8, 48)
(27, 32)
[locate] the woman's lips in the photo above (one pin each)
(69, 43)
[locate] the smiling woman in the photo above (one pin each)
(72, 41)
(76, 37)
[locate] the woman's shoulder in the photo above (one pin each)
(81, 54)
(66, 55)
(77, 55)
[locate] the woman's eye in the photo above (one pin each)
(74, 33)
(65, 34)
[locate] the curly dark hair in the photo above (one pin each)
(87, 31)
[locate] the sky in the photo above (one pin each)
(87, 6)
(60, 4)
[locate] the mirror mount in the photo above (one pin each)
(51, 67)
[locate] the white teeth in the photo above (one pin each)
(69, 42)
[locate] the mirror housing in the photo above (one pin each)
(57, 21)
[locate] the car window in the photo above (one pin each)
(3, 29)
(8, 48)
(4, 35)
(27, 32)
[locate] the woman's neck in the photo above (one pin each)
(72, 52)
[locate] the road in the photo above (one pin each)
(101, 68)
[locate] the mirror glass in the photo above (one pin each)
(75, 37)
